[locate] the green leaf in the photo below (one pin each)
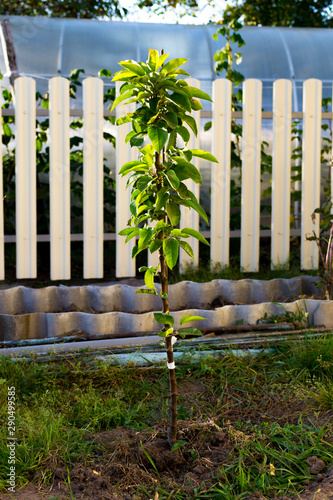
(188, 155)
(161, 198)
(158, 137)
(173, 179)
(172, 140)
(184, 133)
(199, 94)
(149, 277)
(161, 60)
(146, 234)
(105, 72)
(185, 170)
(155, 245)
(181, 72)
(182, 101)
(196, 105)
(164, 319)
(133, 165)
(126, 231)
(171, 249)
(161, 201)
(133, 66)
(173, 212)
(188, 318)
(123, 75)
(185, 246)
(144, 290)
(131, 235)
(198, 208)
(122, 97)
(153, 59)
(189, 331)
(203, 154)
(207, 126)
(171, 119)
(183, 191)
(123, 119)
(7, 130)
(173, 64)
(166, 333)
(195, 234)
(191, 123)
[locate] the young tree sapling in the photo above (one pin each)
(164, 103)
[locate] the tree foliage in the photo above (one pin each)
(80, 9)
(297, 13)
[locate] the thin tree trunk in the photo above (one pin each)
(172, 429)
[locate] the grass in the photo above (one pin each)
(204, 272)
(268, 406)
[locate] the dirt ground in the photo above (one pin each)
(128, 458)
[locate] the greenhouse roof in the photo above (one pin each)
(47, 47)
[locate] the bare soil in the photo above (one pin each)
(125, 458)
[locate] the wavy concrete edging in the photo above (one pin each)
(120, 297)
(43, 325)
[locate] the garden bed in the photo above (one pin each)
(56, 311)
(252, 428)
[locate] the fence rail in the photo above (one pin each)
(252, 115)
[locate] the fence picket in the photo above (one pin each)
(190, 218)
(282, 95)
(220, 178)
(251, 158)
(125, 265)
(2, 234)
(60, 237)
(26, 227)
(312, 92)
(93, 178)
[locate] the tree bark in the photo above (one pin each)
(172, 429)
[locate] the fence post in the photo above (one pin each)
(312, 90)
(189, 217)
(251, 159)
(93, 177)
(26, 225)
(220, 178)
(125, 265)
(2, 237)
(282, 95)
(60, 237)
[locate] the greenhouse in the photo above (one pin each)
(271, 144)
(46, 47)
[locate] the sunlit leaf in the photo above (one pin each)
(189, 317)
(185, 246)
(173, 64)
(122, 97)
(171, 250)
(133, 66)
(182, 101)
(173, 212)
(203, 154)
(195, 234)
(164, 319)
(158, 137)
(149, 278)
(133, 165)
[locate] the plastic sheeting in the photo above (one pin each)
(46, 47)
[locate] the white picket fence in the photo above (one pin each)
(93, 237)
